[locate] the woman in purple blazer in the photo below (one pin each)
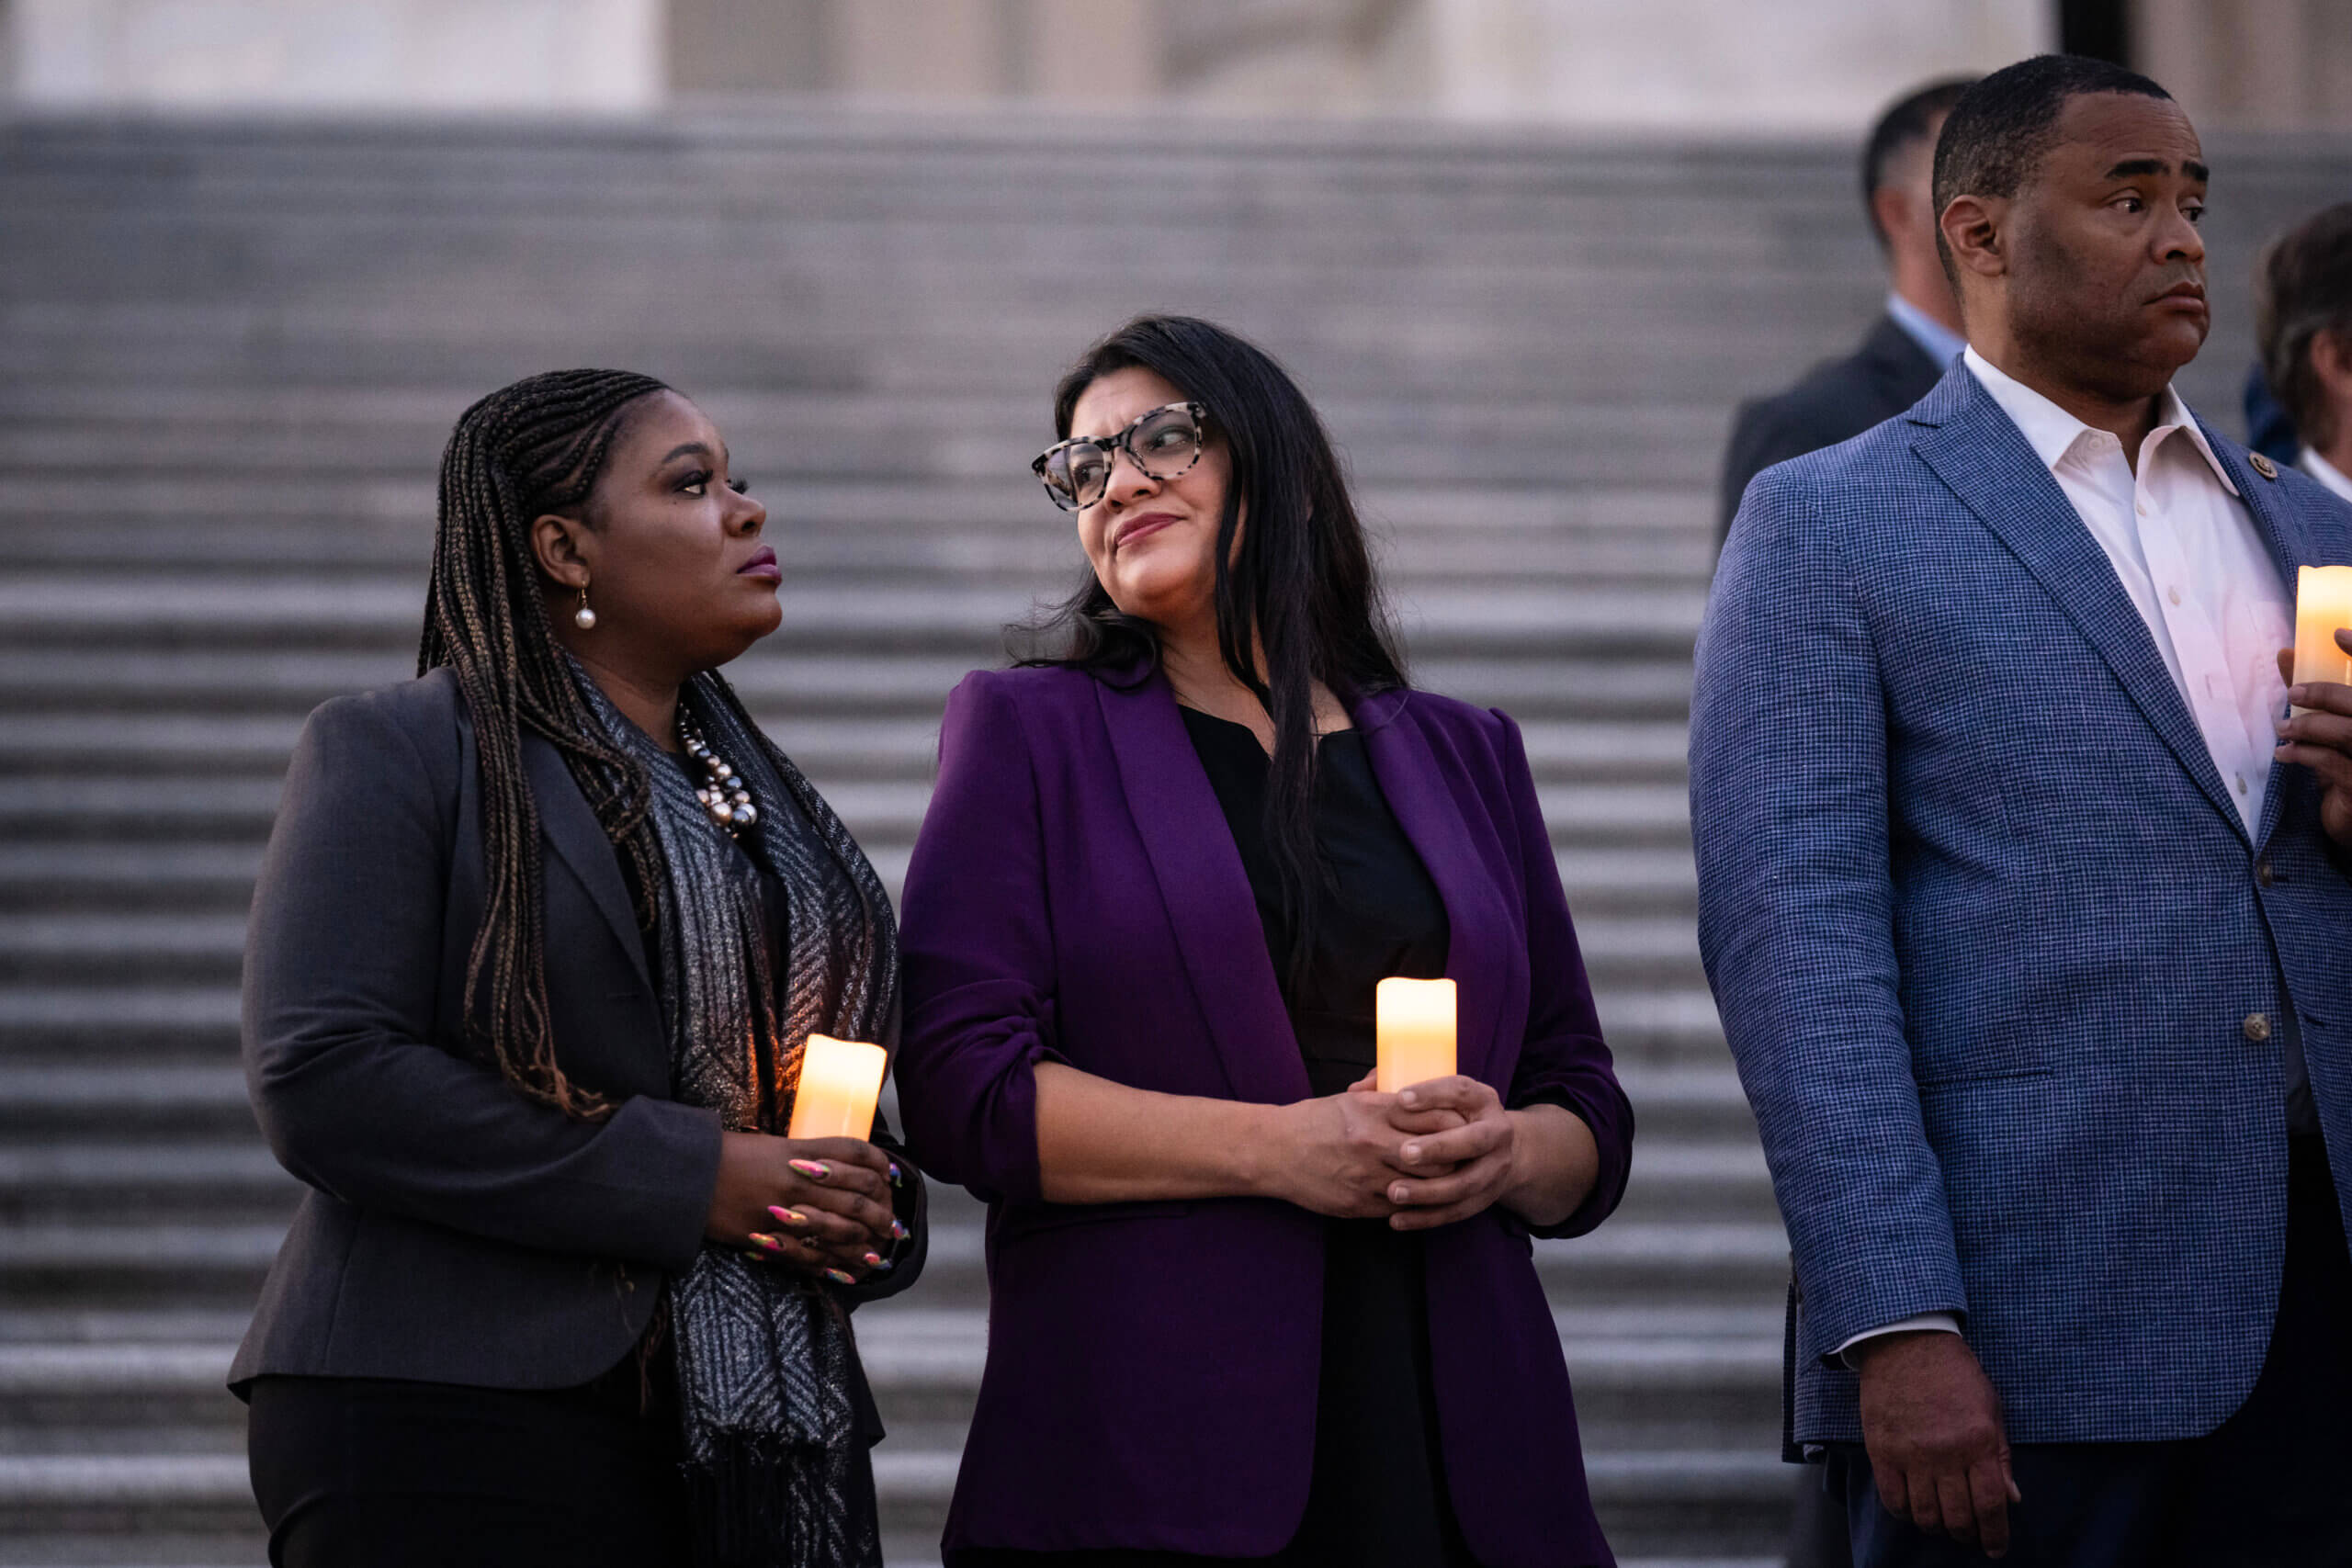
(1243, 1306)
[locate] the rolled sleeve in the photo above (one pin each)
(1563, 1060)
(979, 957)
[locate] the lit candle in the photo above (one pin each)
(1415, 1031)
(2323, 602)
(840, 1081)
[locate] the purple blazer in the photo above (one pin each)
(1076, 896)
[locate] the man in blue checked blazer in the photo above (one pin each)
(2031, 938)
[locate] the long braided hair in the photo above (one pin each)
(525, 450)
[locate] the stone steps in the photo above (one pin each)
(778, 683)
(55, 807)
(133, 1028)
(229, 353)
(1631, 1264)
(83, 970)
(61, 609)
(195, 745)
(71, 877)
(52, 1509)
(230, 1181)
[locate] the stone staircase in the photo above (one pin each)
(229, 353)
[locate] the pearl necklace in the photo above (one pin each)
(724, 796)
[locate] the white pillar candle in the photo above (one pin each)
(840, 1081)
(2323, 604)
(1415, 1031)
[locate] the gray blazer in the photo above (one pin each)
(454, 1231)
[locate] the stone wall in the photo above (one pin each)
(368, 55)
(1708, 65)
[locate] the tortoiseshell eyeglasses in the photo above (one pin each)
(1163, 444)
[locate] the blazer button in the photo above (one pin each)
(2263, 873)
(2257, 1027)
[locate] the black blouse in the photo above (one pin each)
(1378, 1495)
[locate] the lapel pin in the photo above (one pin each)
(2263, 465)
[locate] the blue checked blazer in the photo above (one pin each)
(1986, 933)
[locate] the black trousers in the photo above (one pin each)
(361, 1473)
(2266, 1489)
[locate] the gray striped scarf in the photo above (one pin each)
(774, 1460)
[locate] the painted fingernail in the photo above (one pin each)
(898, 1231)
(884, 1266)
(787, 1216)
(898, 1176)
(839, 1277)
(815, 1170)
(768, 1242)
(873, 1261)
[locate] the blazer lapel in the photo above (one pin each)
(1483, 939)
(2290, 546)
(1976, 451)
(1204, 890)
(566, 822)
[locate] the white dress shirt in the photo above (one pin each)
(2325, 473)
(2193, 560)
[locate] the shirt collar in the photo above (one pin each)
(2051, 432)
(1936, 340)
(2325, 472)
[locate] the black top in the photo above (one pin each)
(1378, 1495)
(1380, 916)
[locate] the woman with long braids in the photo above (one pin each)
(1243, 1307)
(537, 944)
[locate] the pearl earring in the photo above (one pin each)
(584, 617)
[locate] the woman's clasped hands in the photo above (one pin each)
(1427, 1156)
(821, 1206)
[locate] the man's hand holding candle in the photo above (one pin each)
(2318, 734)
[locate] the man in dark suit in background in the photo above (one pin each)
(1911, 344)
(1908, 348)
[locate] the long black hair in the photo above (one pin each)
(525, 450)
(1301, 586)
